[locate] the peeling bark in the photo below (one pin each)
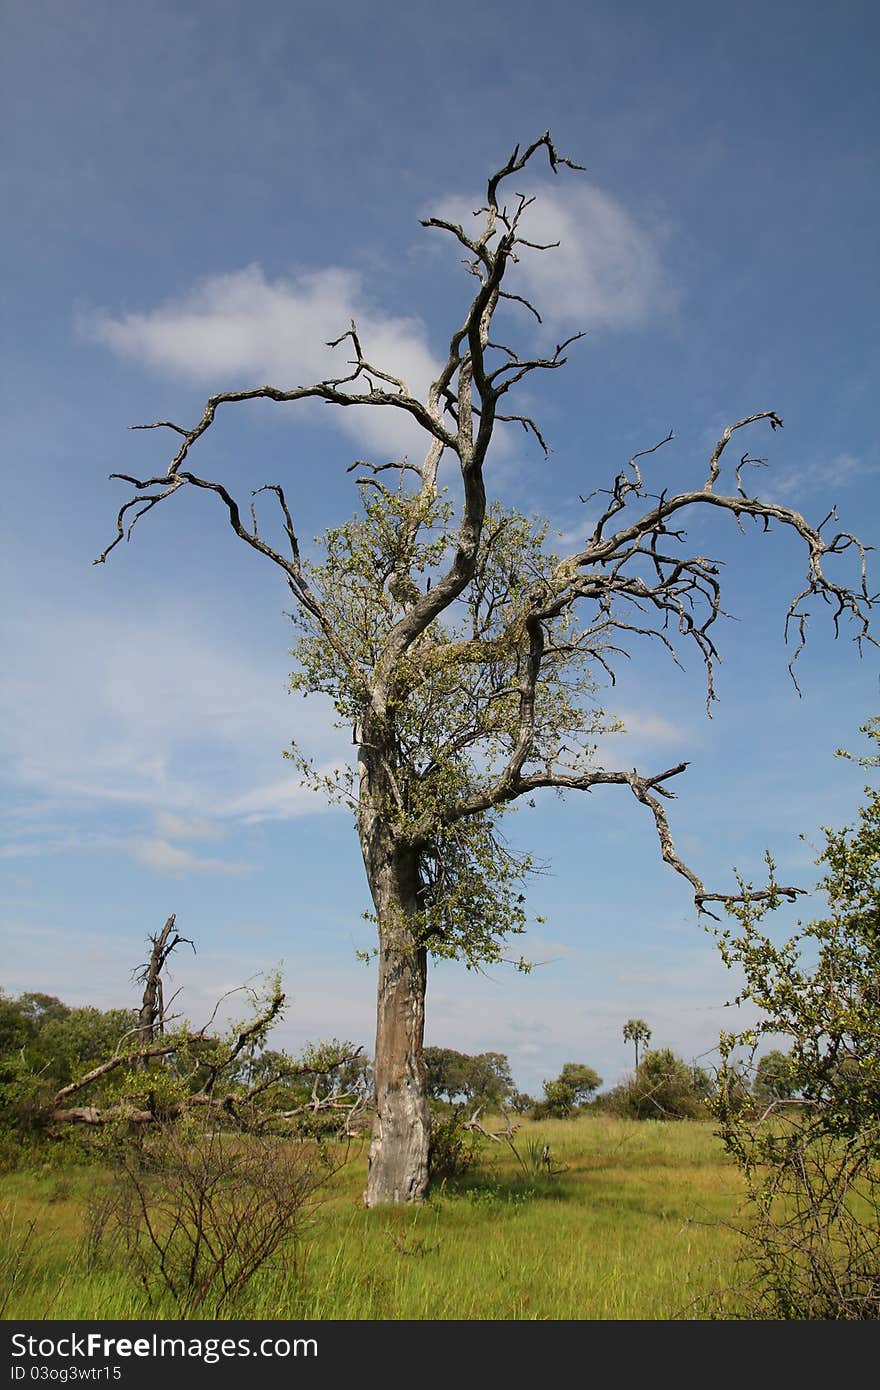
(398, 1163)
(398, 1160)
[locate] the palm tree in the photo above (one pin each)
(636, 1030)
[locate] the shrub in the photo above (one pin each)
(196, 1213)
(664, 1087)
(453, 1148)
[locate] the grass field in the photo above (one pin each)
(632, 1227)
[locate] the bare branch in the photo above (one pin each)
(529, 426)
(715, 460)
(402, 466)
(518, 161)
(518, 299)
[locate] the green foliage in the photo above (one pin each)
(558, 1101)
(521, 1103)
(52, 1051)
(453, 1148)
(572, 1088)
(43, 1045)
(56, 1041)
(452, 709)
(483, 1080)
(813, 1167)
(663, 1087)
(70, 1044)
(25, 1099)
(21, 1019)
(580, 1080)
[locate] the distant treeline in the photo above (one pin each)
(45, 1044)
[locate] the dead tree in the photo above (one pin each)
(211, 1089)
(464, 655)
(151, 1018)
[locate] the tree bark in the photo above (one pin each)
(398, 1161)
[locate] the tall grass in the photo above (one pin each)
(629, 1224)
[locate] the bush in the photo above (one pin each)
(453, 1148)
(25, 1100)
(196, 1214)
(664, 1087)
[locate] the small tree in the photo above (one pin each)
(462, 652)
(490, 1079)
(665, 1087)
(521, 1102)
(573, 1087)
(636, 1031)
(812, 1165)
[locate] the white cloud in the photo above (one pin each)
(606, 271)
(169, 859)
(240, 329)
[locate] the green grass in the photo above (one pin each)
(632, 1227)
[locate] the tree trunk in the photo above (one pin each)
(398, 1163)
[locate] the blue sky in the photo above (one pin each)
(198, 196)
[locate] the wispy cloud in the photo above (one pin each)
(163, 718)
(170, 859)
(243, 329)
(41, 838)
(652, 728)
(280, 800)
(644, 735)
(529, 1025)
(186, 827)
(839, 471)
